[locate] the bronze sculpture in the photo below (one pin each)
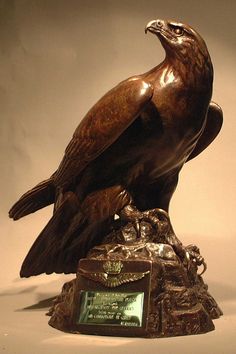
(125, 157)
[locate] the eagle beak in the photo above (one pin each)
(154, 26)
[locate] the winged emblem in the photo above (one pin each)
(112, 281)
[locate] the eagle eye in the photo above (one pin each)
(177, 30)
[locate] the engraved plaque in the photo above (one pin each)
(112, 297)
(111, 308)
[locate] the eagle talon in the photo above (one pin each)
(187, 260)
(204, 267)
(137, 228)
(195, 258)
(131, 214)
(159, 219)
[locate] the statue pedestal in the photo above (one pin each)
(140, 289)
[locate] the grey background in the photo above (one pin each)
(56, 60)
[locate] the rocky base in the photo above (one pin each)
(176, 300)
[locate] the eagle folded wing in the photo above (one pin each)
(102, 125)
(213, 126)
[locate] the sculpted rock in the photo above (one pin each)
(176, 300)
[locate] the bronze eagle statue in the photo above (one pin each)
(127, 151)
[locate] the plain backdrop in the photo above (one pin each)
(57, 58)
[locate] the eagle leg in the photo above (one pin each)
(131, 214)
(160, 221)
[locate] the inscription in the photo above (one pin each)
(111, 308)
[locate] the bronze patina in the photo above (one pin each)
(124, 160)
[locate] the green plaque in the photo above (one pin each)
(111, 308)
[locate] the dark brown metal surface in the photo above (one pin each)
(128, 150)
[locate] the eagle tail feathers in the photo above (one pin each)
(38, 197)
(47, 250)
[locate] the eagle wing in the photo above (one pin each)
(102, 125)
(213, 126)
(158, 194)
(58, 247)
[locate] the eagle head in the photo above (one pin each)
(182, 43)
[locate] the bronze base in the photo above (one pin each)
(175, 300)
